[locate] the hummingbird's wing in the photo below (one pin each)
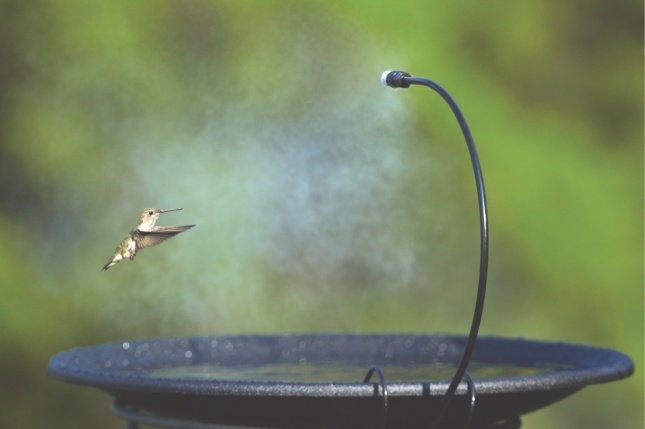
(158, 235)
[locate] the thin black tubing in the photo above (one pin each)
(383, 386)
(483, 220)
(471, 395)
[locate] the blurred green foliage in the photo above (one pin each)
(324, 202)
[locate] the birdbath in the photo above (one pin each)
(327, 380)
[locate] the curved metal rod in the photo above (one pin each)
(471, 394)
(132, 417)
(398, 79)
(383, 386)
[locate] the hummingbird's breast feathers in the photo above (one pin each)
(128, 245)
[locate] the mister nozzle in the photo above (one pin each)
(395, 79)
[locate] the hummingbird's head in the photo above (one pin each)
(149, 216)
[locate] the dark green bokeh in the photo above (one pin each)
(323, 201)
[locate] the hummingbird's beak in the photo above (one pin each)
(169, 210)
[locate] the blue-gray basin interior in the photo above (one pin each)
(315, 380)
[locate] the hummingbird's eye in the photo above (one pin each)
(151, 212)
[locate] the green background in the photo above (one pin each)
(324, 202)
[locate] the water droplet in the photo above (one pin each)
(125, 362)
(213, 343)
(188, 354)
(108, 364)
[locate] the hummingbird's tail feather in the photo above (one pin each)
(113, 260)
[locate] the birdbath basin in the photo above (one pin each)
(313, 381)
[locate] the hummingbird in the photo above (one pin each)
(145, 235)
